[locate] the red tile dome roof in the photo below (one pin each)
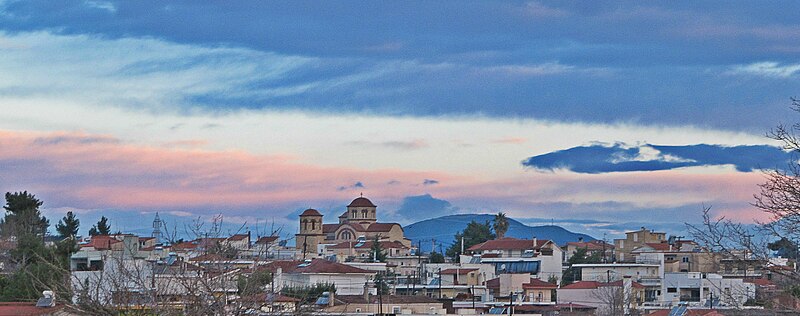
(311, 212)
(361, 202)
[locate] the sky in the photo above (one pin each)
(601, 116)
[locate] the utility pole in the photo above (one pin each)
(380, 296)
(419, 262)
(711, 302)
(511, 303)
(473, 297)
(440, 283)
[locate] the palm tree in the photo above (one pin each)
(500, 225)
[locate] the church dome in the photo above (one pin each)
(361, 202)
(311, 212)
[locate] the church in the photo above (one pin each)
(359, 223)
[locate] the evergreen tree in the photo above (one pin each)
(581, 255)
(68, 226)
(475, 233)
(22, 215)
(376, 251)
(101, 228)
(380, 284)
(436, 258)
(38, 268)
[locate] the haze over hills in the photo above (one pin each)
(443, 229)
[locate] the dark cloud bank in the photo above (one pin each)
(602, 158)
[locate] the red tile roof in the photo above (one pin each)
(27, 308)
(539, 284)
(508, 244)
(581, 285)
(266, 240)
(459, 271)
(238, 237)
(331, 228)
(532, 284)
(493, 283)
(186, 245)
(382, 227)
(368, 244)
(208, 257)
(760, 282)
(101, 242)
(316, 266)
(310, 212)
(361, 202)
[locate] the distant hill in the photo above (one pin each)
(442, 229)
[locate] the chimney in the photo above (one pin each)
(331, 298)
(535, 242)
(580, 239)
(366, 292)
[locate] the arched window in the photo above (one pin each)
(313, 224)
(305, 224)
(364, 213)
(355, 213)
(345, 235)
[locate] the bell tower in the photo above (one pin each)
(310, 233)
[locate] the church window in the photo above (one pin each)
(305, 224)
(313, 224)
(364, 213)
(355, 213)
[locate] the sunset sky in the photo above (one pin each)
(596, 116)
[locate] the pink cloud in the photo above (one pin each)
(106, 174)
(94, 172)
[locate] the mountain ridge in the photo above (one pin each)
(441, 230)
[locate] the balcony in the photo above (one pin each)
(650, 281)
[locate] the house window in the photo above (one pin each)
(396, 310)
(622, 244)
(672, 290)
(635, 237)
(685, 259)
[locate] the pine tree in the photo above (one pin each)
(68, 226)
(376, 251)
(475, 233)
(23, 216)
(102, 227)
